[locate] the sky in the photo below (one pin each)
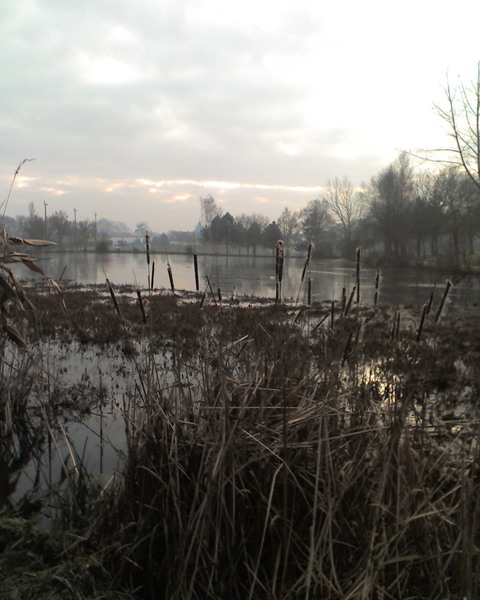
(133, 111)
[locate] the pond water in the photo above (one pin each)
(101, 381)
(255, 276)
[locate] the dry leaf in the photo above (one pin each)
(33, 266)
(15, 335)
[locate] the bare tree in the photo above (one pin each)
(345, 207)
(462, 116)
(390, 205)
(247, 220)
(316, 221)
(209, 210)
(290, 225)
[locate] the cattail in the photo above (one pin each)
(430, 300)
(309, 291)
(278, 269)
(307, 260)
(153, 275)
(195, 266)
(448, 285)
(114, 299)
(332, 315)
(279, 261)
(357, 276)
(142, 308)
(422, 321)
(170, 276)
(147, 249)
(350, 300)
(377, 281)
(305, 267)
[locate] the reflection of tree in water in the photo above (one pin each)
(255, 276)
(247, 275)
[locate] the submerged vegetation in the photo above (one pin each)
(270, 451)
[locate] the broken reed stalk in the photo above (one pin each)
(322, 320)
(142, 307)
(299, 314)
(392, 332)
(147, 250)
(422, 321)
(350, 300)
(153, 275)
(63, 273)
(309, 292)
(430, 300)
(278, 270)
(112, 295)
(346, 352)
(332, 315)
(357, 275)
(344, 298)
(377, 282)
(195, 267)
(395, 327)
(209, 285)
(306, 267)
(448, 285)
(170, 277)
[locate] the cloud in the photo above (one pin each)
(212, 96)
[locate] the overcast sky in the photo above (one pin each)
(134, 110)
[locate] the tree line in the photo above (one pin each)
(401, 215)
(59, 228)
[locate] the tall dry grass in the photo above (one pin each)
(283, 463)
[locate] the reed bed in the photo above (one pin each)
(278, 454)
(278, 467)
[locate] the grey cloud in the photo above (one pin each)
(209, 103)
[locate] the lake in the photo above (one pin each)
(255, 276)
(80, 371)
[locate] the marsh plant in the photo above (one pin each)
(269, 460)
(271, 452)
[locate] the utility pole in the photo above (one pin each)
(45, 210)
(75, 227)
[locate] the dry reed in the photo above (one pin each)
(281, 471)
(271, 459)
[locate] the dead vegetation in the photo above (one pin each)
(272, 452)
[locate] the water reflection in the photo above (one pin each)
(255, 276)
